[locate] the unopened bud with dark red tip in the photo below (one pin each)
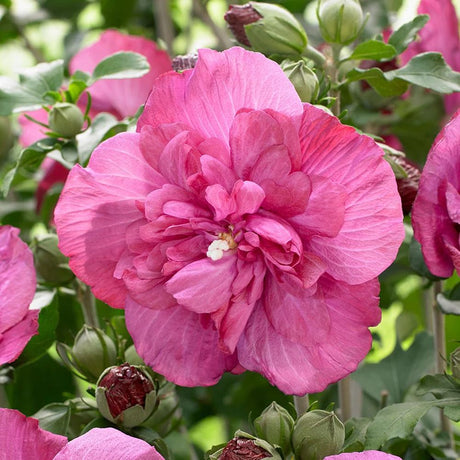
(245, 447)
(268, 28)
(181, 63)
(408, 185)
(126, 395)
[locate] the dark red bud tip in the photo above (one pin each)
(408, 186)
(126, 386)
(237, 17)
(180, 63)
(242, 449)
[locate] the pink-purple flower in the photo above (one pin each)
(21, 438)
(436, 210)
(238, 228)
(17, 288)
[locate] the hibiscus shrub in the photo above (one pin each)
(229, 231)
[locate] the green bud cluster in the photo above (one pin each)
(66, 119)
(303, 78)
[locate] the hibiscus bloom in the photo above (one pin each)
(121, 97)
(22, 439)
(17, 288)
(436, 210)
(239, 228)
(440, 34)
(366, 455)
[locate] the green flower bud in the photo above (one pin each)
(303, 78)
(51, 265)
(93, 351)
(268, 28)
(126, 395)
(340, 21)
(65, 119)
(275, 425)
(317, 434)
(455, 363)
(245, 447)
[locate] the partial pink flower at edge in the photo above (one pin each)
(436, 210)
(440, 34)
(121, 97)
(366, 455)
(255, 222)
(21, 438)
(17, 288)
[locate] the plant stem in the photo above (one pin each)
(439, 331)
(316, 56)
(344, 387)
(301, 404)
(202, 12)
(164, 23)
(88, 304)
(3, 398)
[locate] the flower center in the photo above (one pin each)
(224, 243)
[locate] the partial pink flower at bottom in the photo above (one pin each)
(17, 288)
(21, 438)
(436, 210)
(239, 228)
(366, 455)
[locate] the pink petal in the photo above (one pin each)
(323, 357)
(22, 439)
(17, 278)
(325, 212)
(184, 347)
(366, 455)
(122, 97)
(254, 132)
(96, 209)
(208, 97)
(372, 229)
(435, 213)
(204, 286)
(108, 444)
(14, 339)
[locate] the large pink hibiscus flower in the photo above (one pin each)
(239, 228)
(17, 288)
(22, 439)
(436, 210)
(440, 34)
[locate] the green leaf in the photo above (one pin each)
(428, 70)
(121, 65)
(380, 81)
(47, 323)
(397, 372)
(402, 37)
(441, 386)
(448, 306)
(54, 417)
(30, 93)
(30, 159)
(355, 434)
(94, 135)
(395, 421)
(373, 49)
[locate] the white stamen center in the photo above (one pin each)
(216, 249)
